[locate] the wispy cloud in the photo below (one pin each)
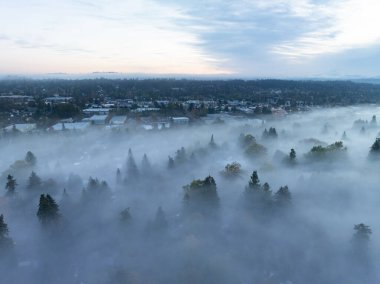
(260, 37)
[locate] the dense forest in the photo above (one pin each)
(316, 92)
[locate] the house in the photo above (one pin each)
(96, 111)
(57, 100)
(181, 120)
(69, 126)
(21, 127)
(118, 120)
(96, 119)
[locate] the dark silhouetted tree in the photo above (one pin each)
(201, 195)
(48, 210)
(283, 196)
(373, 121)
(145, 165)
(11, 185)
(160, 221)
(118, 176)
(212, 143)
(34, 181)
(362, 234)
(125, 215)
(254, 182)
(292, 155)
(180, 156)
(375, 148)
(6, 242)
(132, 170)
(171, 163)
(272, 133)
(30, 158)
(344, 136)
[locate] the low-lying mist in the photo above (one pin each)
(291, 199)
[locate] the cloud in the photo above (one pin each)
(260, 38)
(279, 37)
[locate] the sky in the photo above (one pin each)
(241, 38)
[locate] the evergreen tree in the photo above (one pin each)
(292, 155)
(272, 133)
(3, 228)
(48, 210)
(132, 170)
(6, 242)
(254, 182)
(125, 215)
(344, 135)
(201, 195)
(373, 121)
(283, 196)
(34, 180)
(362, 233)
(212, 143)
(180, 156)
(118, 176)
(171, 163)
(160, 221)
(375, 148)
(30, 158)
(11, 186)
(145, 164)
(265, 134)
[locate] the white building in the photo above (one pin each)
(96, 111)
(21, 127)
(118, 120)
(70, 126)
(181, 120)
(97, 119)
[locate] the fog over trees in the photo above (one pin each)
(292, 199)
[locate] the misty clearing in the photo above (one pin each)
(292, 199)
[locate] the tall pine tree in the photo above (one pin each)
(48, 210)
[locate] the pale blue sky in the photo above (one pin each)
(262, 38)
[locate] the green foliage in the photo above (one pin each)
(330, 151)
(232, 170)
(255, 150)
(65, 110)
(202, 190)
(251, 147)
(254, 182)
(246, 140)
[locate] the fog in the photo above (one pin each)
(150, 223)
